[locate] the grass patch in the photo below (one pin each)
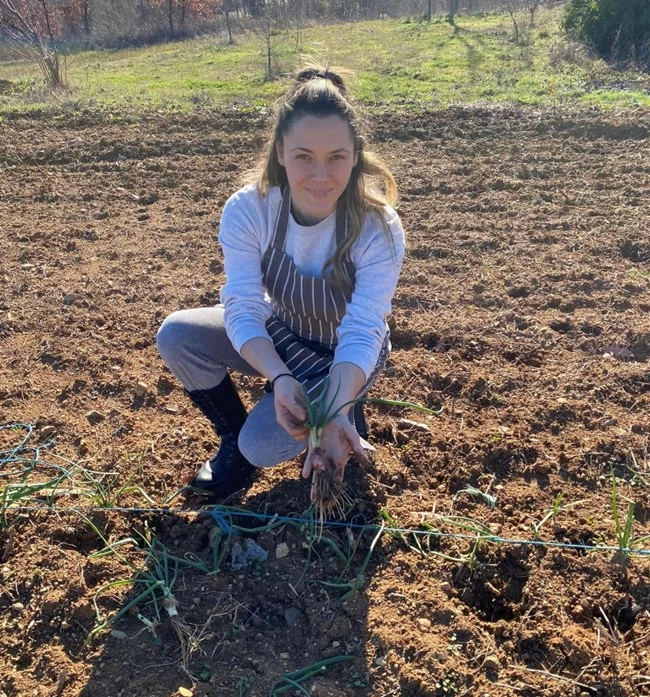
(396, 62)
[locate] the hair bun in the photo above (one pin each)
(321, 74)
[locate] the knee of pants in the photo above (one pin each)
(169, 339)
(264, 452)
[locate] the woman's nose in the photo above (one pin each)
(319, 171)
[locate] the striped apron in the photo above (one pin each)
(307, 310)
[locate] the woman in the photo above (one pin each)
(312, 254)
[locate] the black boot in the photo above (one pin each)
(228, 470)
(359, 420)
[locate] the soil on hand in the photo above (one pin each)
(523, 311)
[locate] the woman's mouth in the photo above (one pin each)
(320, 193)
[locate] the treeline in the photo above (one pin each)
(616, 29)
(112, 23)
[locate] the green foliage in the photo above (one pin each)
(398, 65)
(627, 542)
(617, 29)
(290, 681)
(320, 412)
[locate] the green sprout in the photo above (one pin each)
(329, 494)
(624, 532)
(320, 411)
(552, 514)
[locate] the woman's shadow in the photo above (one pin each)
(265, 596)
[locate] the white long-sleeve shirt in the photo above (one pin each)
(247, 226)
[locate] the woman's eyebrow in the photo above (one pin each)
(332, 152)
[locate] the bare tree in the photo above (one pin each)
(265, 28)
(298, 7)
(516, 11)
(226, 9)
(512, 11)
(29, 28)
(453, 11)
(86, 17)
(533, 6)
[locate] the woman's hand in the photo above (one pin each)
(338, 440)
(290, 410)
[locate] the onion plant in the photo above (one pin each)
(328, 493)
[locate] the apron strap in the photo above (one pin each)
(282, 223)
(341, 223)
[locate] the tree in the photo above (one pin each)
(30, 27)
(226, 8)
(618, 29)
(177, 12)
(453, 11)
(271, 38)
(533, 6)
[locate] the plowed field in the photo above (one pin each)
(523, 311)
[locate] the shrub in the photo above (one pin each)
(616, 29)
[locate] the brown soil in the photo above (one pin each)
(523, 310)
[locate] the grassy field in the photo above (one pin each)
(395, 61)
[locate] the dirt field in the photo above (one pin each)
(523, 311)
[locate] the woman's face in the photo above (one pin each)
(318, 155)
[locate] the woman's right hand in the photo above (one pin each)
(290, 410)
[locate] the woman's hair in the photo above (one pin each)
(322, 92)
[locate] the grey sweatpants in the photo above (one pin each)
(195, 347)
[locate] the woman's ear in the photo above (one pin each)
(355, 160)
(279, 154)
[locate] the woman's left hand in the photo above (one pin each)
(338, 440)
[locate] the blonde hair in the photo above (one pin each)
(322, 92)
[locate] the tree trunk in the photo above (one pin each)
(227, 11)
(86, 19)
(183, 11)
(269, 52)
(453, 9)
(170, 9)
(51, 54)
(429, 10)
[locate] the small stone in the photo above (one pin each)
(491, 663)
(65, 625)
(282, 550)
(95, 417)
(70, 298)
(184, 692)
(117, 634)
(413, 425)
(424, 624)
(19, 607)
(27, 267)
(47, 431)
(172, 409)
(141, 390)
(292, 615)
(285, 656)
(380, 661)
(446, 588)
